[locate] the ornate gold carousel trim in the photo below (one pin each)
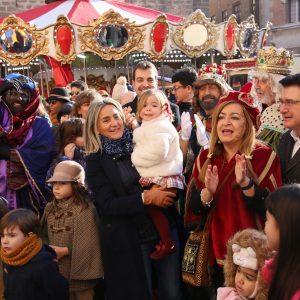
(71, 56)
(231, 21)
(249, 23)
(161, 19)
(38, 36)
(88, 35)
(198, 17)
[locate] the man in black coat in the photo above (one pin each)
(289, 145)
(144, 78)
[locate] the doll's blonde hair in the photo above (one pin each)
(258, 242)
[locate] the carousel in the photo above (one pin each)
(63, 35)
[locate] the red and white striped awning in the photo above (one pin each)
(82, 11)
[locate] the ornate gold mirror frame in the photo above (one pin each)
(162, 19)
(65, 52)
(198, 19)
(244, 27)
(39, 39)
(88, 36)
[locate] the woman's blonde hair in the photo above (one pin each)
(247, 145)
(161, 98)
(90, 133)
(258, 242)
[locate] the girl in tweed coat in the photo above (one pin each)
(72, 229)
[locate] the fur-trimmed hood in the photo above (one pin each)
(258, 242)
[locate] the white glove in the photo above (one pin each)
(200, 132)
(186, 126)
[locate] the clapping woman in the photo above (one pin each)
(231, 179)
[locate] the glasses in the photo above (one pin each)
(288, 102)
(175, 88)
(74, 93)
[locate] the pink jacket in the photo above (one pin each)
(268, 272)
(228, 293)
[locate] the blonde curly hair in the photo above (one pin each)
(258, 242)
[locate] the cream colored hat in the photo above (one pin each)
(68, 171)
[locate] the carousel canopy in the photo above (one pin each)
(83, 11)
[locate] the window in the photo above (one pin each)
(293, 11)
(236, 9)
(224, 15)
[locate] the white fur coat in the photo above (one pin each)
(156, 150)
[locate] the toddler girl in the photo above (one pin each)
(246, 253)
(283, 235)
(72, 229)
(158, 158)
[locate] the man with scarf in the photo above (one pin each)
(26, 144)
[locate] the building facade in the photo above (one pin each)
(8, 7)
(175, 7)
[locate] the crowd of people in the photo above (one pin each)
(100, 195)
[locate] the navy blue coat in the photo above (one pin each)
(39, 279)
(124, 271)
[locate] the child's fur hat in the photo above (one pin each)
(258, 242)
(120, 88)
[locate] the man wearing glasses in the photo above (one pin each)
(182, 82)
(77, 87)
(289, 145)
(57, 98)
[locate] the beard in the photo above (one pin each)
(208, 105)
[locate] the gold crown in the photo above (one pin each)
(275, 60)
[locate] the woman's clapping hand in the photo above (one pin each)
(241, 170)
(211, 179)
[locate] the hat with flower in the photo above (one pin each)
(247, 101)
(213, 74)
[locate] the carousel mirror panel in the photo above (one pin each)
(16, 40)
(248, 37)
(111, 36)
(20, 43)
(196, 34)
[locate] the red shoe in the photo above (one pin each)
(162, 250)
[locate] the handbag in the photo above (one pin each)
(195, 262)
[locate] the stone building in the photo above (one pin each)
(176, 7)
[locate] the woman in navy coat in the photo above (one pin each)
(120, 201)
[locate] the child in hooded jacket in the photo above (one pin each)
(246, 254)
